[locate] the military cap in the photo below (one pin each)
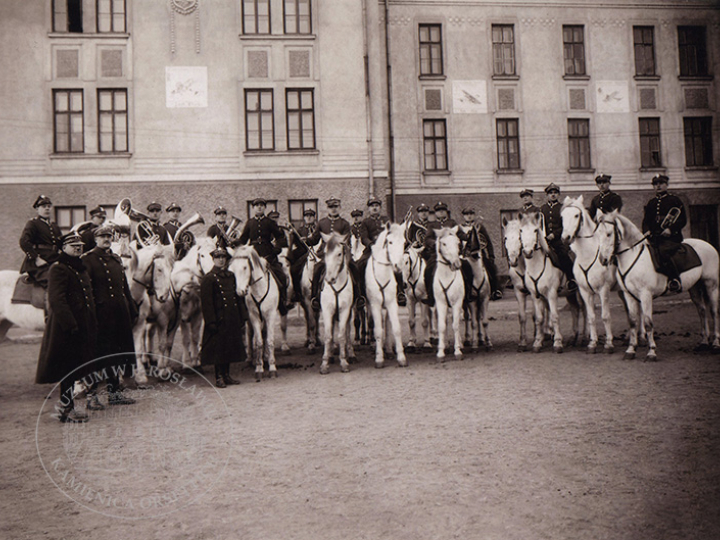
(98, 211)
(422, 207)
(154, 206)
(309, 212)
(103, 231)
(220, 252)
(467, 210)
(440, 206)
(356, 213)
(659, 179)
(173, 206)
(374, 200)
(220, 210)
(273, 214)
(72, 238)
(552, 187)
(332, 201)
(258, 201)
(527, 191)
(42, 200)
(602, 178)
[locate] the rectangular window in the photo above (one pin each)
(296, 208)
(67, 16)
(68, 121)
(111, 16)
(704, 223)
(644, 43)
(650, 142)
(431, 54)
(297, 17)
(574, 50)
(435, 145)
(579, 143)
(256, 16)
(698, 141)
(300, 109)
(503, 39)
(693, 51)
(112, 120)
(508, 143)
(68, 216)
(259, 120)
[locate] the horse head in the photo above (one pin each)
(573, 218)
(611, 233)
(391, 242)
(511, 240)
(530, 233)
(247, 267)
(162, 271)
(448, 247)
(335, 257)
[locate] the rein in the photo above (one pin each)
(388, 263)
(335, 291)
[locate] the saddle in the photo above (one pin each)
(28, 291)
(684, 259)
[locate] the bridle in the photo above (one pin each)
(443, 260)
(388, 262)
(336, 292)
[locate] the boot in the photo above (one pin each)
(118, 398)
(71, 416)
(496, 295)
(93, 403)
(401, 298)
(219, 382)
(227, 379)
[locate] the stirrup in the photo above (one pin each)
(674, 285)
(497, 295)
(401, 299)
(315, 304)
(360, 302)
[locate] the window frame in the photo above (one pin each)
(502, 47)
(430, 46)
(698, 50)
(504, 143)
(74, 217)
(259, 113)
(305, 204)
(705, 138)
(297, 17)
(645, 48)
(650, 158)
(256, 17)
(579, 141)
(299, 112)
(434, 139)
(572, 47)
(113, 114)
(69, 113)
(112, 4)
(77, 20)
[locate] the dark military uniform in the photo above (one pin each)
(468, 238)
(156, 228)
(430, 255)
(298, 256)
(225, 314)
(40, 237)
(553, 225)
(116, 311)
(607, 202)
(261, 232)
(655, 211)
(70, 335)
(529, 208)
(172, 227)
(330, 225)
(88, 236)
(215, 231)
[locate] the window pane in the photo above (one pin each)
(292, 100)
(105, 101)
(76, 101)
(307, 100)
(61, 101)
(120, 101)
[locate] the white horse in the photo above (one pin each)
(478, 309)
(637, 276)
(336, 302)
(312, 318)
(381, 288)
(593, 276)
(413, 275)
(23, 315)
(448, 287)
(256, 283)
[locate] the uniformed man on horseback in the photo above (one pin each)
(475, 237)
(357, 229)
(418, 229)
(173, 224)
(606, 200)
(528, 206)
(553, 234)
(663, 220)
(442, 220)
(261, 231)
(333, 223)
(299, 252)
(97, 218)
(41, 241)
(150, 229)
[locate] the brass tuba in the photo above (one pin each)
(671, 217)
(184, 235)
(151, 239)
(233, 231)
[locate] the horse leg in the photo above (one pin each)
(457, 316)
(139, 339)
(484, 319)
(5, 325)
(394, 317)
(442, 312)
(606, 318)
(539, 307)
(468, 325)
(344, 338)
(378, 332)
(555, 320)
(713, 295)
(697, 294)
(328, 323)
(195, 326)
(589, 299)
(522, 319)
(284, 347)
(646, 306)
(348, 332)
(257, 340)
(474, 325)
(426, 316)
(412, 304)
(270, 345)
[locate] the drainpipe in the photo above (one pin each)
(391, 137)
(368, 110)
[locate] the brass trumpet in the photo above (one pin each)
(233, 232)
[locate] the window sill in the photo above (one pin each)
(436, 173)
(581, 171)
(87, 35)
(506, 77)
(646, 77)
(700, 168)
(696, 78)
(307, 152)
(432, 77)
(277, 37)
(576, 77)
(509, 171)
(659, 169)
(83, 155)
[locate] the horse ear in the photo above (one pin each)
(454, 229)
(504, 222)
(567, 200)
(580, 200)
(326, 237)
(387, 226)
(599, 214)
(620, 228)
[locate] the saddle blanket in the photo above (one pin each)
(684, 259)
(27, 292)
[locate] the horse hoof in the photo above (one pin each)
(609, 350)
(466, 343)
(702, 347)
(427, 345)
(537, 349)
(324, 370)
(474, 350)
(522, 348)
(402, 363)
(458, 356)
(558, 349)
(715, 349)
(592, 350)
(651, 358)
(345, 369)
(489, 348)
(273, 374)
(258, 376)
(629, 356)
(379, 365)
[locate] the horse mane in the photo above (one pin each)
(536, 221)
(631, 232)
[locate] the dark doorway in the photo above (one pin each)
(704, 223)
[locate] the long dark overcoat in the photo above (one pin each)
(114, 305)
(224, 316)
(70, 333)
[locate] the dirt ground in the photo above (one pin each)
(499, 446)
